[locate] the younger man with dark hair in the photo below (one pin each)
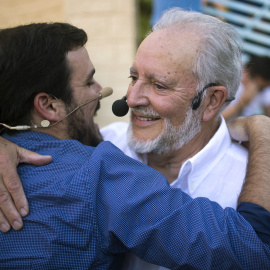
(93, 204)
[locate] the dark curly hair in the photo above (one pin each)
(33, 60)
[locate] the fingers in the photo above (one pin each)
(13, 203)
(15, 189)
(237, 129)
(8, 212)
(12, 180)
(4, 224)
(242, 128)
(29, 157)
(10, 187)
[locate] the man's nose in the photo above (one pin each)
(137, 95)
(98, 87)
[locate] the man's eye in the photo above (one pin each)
(158, 86)
(90, 83)
(133, 78)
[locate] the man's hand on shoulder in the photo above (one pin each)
(256, 130)
(13, 203)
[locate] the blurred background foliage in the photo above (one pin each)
(143, 19)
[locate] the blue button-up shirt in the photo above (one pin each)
(92, 205)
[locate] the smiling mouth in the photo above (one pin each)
(141, 118)
(142, 114)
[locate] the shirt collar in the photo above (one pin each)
(203, 162)
(28, 135)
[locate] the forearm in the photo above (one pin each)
(256, 188)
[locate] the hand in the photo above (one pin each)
(256, 188)
(238, 129)
(13, 203)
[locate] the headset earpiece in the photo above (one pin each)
(196, 102)
(105, 92)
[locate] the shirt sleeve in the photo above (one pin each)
(258, 217)
(138, 211)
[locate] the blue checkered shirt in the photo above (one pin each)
(92, 205)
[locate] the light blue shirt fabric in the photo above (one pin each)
(91, 205)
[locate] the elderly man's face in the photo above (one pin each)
(161, 90)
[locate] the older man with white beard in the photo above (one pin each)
(182, 76)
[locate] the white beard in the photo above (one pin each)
(171, 138)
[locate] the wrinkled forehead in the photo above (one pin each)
(177, 46)
(168, 50)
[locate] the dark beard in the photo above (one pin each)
(80, 130)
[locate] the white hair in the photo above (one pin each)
(219, 54)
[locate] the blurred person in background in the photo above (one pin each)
(253, 95)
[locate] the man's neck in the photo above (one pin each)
(53, 131)
(169, 164)
(58, 131)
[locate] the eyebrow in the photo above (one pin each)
(151, 76)
(90, 75)
(133, 70)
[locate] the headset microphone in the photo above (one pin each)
(120, 107)
(105, 92)
(196, 102)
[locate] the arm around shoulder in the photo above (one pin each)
(13, 203)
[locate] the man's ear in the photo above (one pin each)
(213, 100)
(48, 107)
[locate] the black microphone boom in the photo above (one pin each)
(120, 107)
